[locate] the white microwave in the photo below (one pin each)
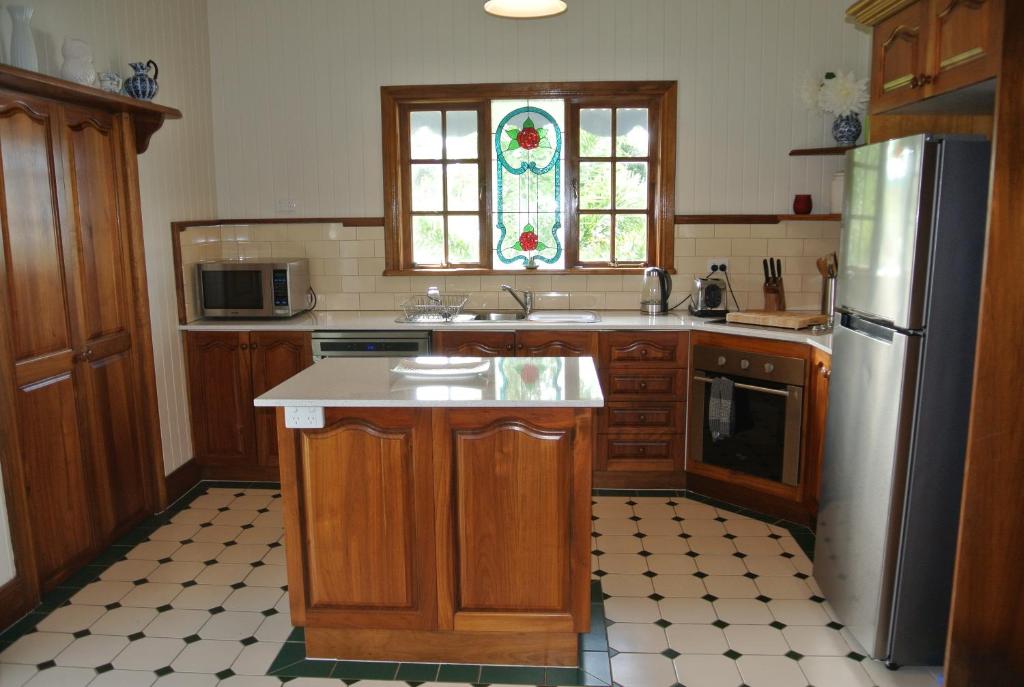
(250, 288)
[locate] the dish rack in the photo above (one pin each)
(442, 307)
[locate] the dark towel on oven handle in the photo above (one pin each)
(721, 411)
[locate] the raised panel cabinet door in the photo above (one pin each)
(481, 344)
(42, 336)
(365, 518)
(101, 274)
(563, 344)
(55, 478)
(966, 41)
(899, 58)
(517, 503)
(220, 396)
(821, 375)
(644, 349)
(276, 356)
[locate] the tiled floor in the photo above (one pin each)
(695, 594)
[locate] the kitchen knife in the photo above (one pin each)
(767, 277)
(771, 268)
(778, 268)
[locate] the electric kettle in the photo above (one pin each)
(655, 291)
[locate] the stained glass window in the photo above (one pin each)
(527, 162)
(505, 177)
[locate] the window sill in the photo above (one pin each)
(483, 271)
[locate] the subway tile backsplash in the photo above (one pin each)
(346, 265)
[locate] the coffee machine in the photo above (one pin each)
(655, 291)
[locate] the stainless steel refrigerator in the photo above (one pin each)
(910, 259)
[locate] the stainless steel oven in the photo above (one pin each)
(768, 399)
(250, 288)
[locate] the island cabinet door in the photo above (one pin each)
(276, 356)
(513, 508)
(364, 517)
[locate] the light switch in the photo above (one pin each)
(303, 417)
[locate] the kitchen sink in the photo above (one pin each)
(498, 316)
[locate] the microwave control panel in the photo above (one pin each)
(281, 288)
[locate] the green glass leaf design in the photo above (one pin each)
(512, 145)
(512, 133)
(517, 245)
(542, 133)
(528, 229)
(528, 123)
(541, 245)
(543, 144)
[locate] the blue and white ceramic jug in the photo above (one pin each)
(141, 85)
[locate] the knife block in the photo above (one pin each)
(775, 296)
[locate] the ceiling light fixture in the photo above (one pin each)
(524, 9)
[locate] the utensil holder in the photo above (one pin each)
(828, 299)
(775, 296)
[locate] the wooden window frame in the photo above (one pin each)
(658, 96)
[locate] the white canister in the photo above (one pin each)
(838, 185)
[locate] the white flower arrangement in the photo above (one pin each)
(838, 93)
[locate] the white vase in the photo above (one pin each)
(23, 45)
(77, 65)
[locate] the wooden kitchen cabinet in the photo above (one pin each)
(929, 47)
(814, 447)
(523, 343)
(440, 534)
(641, 429)
(79, 430)
(226, 371)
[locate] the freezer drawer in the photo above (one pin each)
(871, 403)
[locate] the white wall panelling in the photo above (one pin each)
(297, 107)
(176, 174)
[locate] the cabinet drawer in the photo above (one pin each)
(649, 453)
(629, 384)
(642, 417)
(652, 349)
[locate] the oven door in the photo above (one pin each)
(765, 441)
(235, 290)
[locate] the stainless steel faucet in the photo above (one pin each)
(525, 302)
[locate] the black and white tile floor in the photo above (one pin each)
(695, 595)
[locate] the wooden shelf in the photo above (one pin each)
(804, 152)
(810, 218)
(753, 219)
(146, 115)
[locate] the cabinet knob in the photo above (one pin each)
(744, 364)
(508, 347)
(253, 346)
(643, 385)
(824, 371)
(921, 80)
(643, 418)
(642, 450)
(244, 347)
(769, 368)
(643, 352)
(721, 360)
(520, 346)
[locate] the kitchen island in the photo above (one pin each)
(438, 509)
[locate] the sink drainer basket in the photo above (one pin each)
(440, 308)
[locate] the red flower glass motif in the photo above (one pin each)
(528, 240)
(528, 138)
(529, 374)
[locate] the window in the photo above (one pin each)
(574, 177)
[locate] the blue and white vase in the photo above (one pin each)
(846, 129)
(141, 85)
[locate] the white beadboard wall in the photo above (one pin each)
(176, 173)
(296, 103)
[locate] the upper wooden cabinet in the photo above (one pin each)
(925, 48)
(226, 371)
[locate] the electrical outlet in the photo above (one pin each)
(286, 206)
(717, 262)
(303, 417)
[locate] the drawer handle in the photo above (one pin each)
(642, 450)
(921, 80)
(244, 347)
(643, 385)
(643, 352)
(643, 418)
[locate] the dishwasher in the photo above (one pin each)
(369, 344)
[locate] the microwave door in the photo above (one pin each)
(227, 292)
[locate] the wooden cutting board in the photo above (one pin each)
(779, 318)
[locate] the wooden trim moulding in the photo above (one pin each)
(754, 219)
(806, 152)
(870, 12)
(183, 478)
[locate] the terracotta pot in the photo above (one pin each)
(802, 204)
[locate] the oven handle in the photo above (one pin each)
(748, 387)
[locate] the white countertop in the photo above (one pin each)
(435, 382)
(349, 320)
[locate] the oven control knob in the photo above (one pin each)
(769, 368)
(721, 360)
(744, 364)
